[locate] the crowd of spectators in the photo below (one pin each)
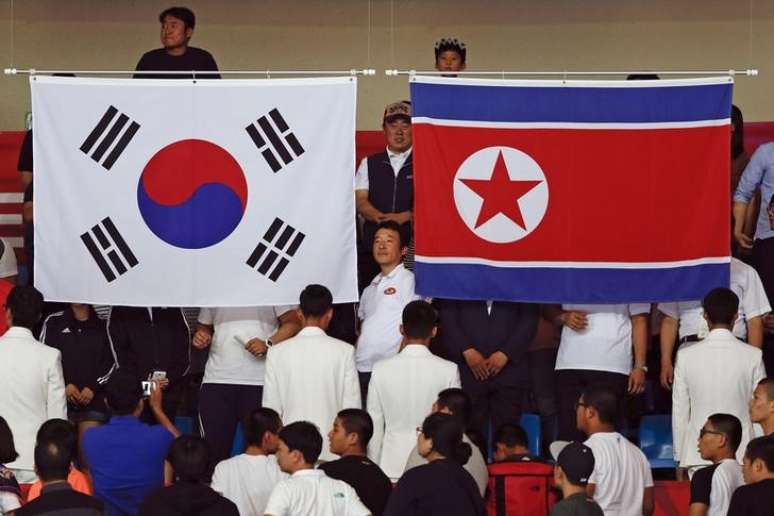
(400, 416)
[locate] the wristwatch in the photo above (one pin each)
(643, 367)
(269, 343)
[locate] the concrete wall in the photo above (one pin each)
(343, 34)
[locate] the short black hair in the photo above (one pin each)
(52, 460)
(604, 400)
(446, 432)
(721, 305)
(183, 14)
(258, 422)
(457, 402)
(189, 456)
(357, 421)
(123, 392)
(511, 435)
(737, 136)
(304, 437)
(768, 386)
(419, 319)
(315, 301)
(25, 304)
(60, 431)
(729, 426)
(453, 44)
(394, 226)
(7, 448)
(761, 448)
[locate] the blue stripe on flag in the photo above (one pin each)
(571, 104)
(566, 285)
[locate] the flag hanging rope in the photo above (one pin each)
(194, 73)
(748, 72)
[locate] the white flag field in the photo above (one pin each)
(193, 193)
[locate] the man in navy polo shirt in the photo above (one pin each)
(126, 457)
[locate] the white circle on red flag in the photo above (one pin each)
(525, 189)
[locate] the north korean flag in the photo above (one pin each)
(571, 191)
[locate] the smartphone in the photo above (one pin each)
(146, 389)
(158, 375)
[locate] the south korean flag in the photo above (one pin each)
(209, 192)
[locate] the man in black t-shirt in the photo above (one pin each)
(177, 26)
(352, 429)
(713, 486)
(757, 497)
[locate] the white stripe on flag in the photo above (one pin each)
(10, 218)
(638, 126)
(11, 197)
(459, 260)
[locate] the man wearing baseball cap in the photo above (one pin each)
(574, 466)
(384, 185)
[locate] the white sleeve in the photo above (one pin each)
(680, 408)
(759, 373)
(754, 301)
(218, 484)
(377, 416)
(355, 507)
(646, 472)
(205, 316)
(456, 381)
(56, 403)
(8, 502)
(639, 308)
(279, 501)
(669, 309)
(361, 176)
(351, 383)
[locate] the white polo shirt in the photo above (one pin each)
(745, 283)
(621, 474)
(229, 362)
(247, 480)
(397, 160)
(606, 342)
(381, 310)
(312, 493)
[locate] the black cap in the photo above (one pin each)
(577, 462)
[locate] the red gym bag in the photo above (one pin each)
(520, 489)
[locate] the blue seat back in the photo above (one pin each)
(656, 440)
(531, 424)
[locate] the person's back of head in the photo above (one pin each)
(123, 393)
(189, 456)
(758, 461)
(316, 304)
(7, 448)
(597, 409)
(456, 402)
(53, 460)
(300, 446)
(510, 440)
(721, 306)
(60, 431)
(356, 423)
(442, 434)
(420, 320)
(720, 437)
(24, 306)
(259, 427)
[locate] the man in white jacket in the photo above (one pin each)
(403, 389)
(32, 387)
(312, 376)
(715, 375)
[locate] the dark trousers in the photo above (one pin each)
(763, 261)
(221, 408)
(541, 378)
(570, 384)
(364, 379)
(494, 403)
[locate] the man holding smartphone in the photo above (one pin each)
(238, 338)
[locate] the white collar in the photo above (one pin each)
(309, 331)
(392, 154)
(309, 473)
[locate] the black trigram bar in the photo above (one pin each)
(104, 242)
(274, 140)
(279, 244)
(111, 130)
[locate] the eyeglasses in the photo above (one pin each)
(704, 431)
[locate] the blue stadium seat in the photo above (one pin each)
(239, 441)
(656, 440)
(531, 424)
(184, 424)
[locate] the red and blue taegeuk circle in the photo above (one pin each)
(192, 194)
